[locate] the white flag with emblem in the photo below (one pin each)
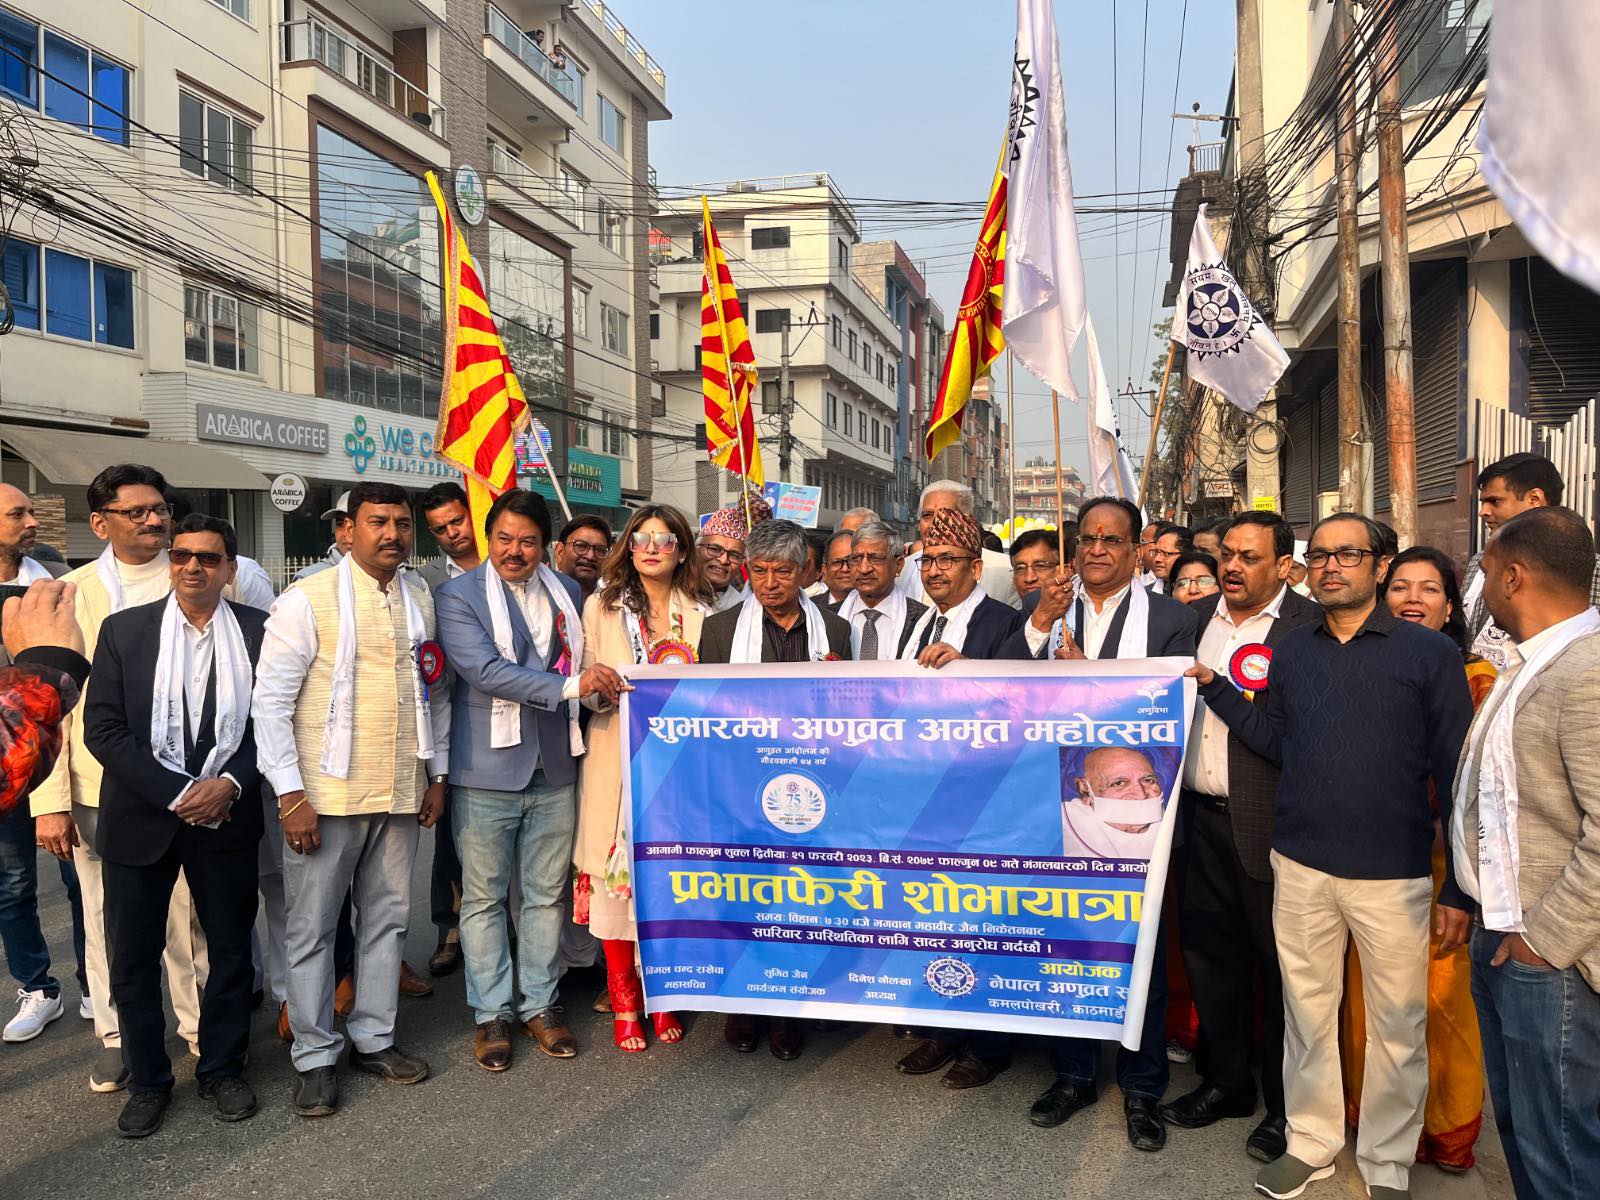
(1231, 350)
(1110, 468)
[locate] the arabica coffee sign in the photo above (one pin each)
(214, 423)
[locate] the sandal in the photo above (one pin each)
(668, 1028)
(624, 1031)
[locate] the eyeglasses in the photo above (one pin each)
(1157, 552)
(641, 541)
(209, 559)
(1193, 582)
(1108, 541)
(591, 549)
(733, 556)
(946, 562)
(139, 513)
(1345, 556)
(867, 560)
(1029, 570)
(839, 564)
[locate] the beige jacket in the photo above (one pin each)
(600, 777)
(1556, 736)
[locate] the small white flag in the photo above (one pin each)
(1043, 308)
(1110, 468)
(1231, 350)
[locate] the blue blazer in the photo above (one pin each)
(465, 632)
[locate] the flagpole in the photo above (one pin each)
(1011, 444)
(1055, 416)
(1155, 423)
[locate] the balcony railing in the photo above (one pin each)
(630, 44)
(540, 187)
(309, 39)
(1205, 156)
(504, 30)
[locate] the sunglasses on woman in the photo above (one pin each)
(661, 541)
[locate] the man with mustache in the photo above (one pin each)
(721, 548)
(354, 640)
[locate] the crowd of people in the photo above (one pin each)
(1376, 901)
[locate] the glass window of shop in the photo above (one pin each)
(381, 334)
(528, 291)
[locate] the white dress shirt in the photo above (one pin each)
(1206, 770)
(197, 659)
(889, 633)
(1096, 623)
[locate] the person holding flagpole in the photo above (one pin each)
(650, 610)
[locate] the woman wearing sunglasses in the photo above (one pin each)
(648, 611)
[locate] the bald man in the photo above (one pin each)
(1115, 811)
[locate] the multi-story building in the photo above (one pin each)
(1035, 485)
(248, 284)
(1504, 352)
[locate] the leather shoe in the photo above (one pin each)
(927, 1056)
(446, 958)
(739, 1031)
(970, 1071)
(389, 1063)
(1269, 1140)
(1145, 1130)
(1205, 1106)
(549, 1029)
(785, 1039)
(491, 1044)
(412, 984)
(317, 1093)
(284, 1032)
(1061, 1101)
(344, 996)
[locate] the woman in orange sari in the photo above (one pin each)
(1421, 587)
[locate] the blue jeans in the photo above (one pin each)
(27, 953)
(1541, 1053)
(496, 832)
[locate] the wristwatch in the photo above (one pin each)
(438, 779)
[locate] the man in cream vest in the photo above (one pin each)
(128, 510)
(356, 639)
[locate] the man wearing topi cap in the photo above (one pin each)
(721, 547)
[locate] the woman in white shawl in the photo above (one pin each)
(648, 609)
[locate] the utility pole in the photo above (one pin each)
(784, 403)
(1392, 239)
(1347, 157)
(1262, 473)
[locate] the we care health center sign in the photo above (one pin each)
(979, 847)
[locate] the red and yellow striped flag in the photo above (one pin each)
(976, 340)
(482, 406)
(727, 366)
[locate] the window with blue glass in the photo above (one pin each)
(113, 306)
(19, 269)
(78, 84)
(68, 303)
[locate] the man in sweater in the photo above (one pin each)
(1363, 713)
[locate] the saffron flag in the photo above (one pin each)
(1230, 349)
(1110, 468)
(481, 406)
(976, 341)
(727, 366)
(1045, 304)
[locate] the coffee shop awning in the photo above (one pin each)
(69, 457)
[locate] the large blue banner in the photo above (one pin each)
(979, 847)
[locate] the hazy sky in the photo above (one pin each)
(907, 100)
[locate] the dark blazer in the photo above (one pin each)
(914, 611)
(716, 636)
(1252, 780)
(136, 827)
(988, 631)
(1173, 631)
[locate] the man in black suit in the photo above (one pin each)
(1229, 795)
(1111, 616)
(881, 616)
(775, 623)
(170, 707)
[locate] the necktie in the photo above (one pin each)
(869, 635)
(936, 633)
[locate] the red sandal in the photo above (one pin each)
(668, 1028)
(627, 996)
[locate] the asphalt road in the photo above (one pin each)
(693, 1121)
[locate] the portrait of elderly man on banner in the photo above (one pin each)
(1113, 799)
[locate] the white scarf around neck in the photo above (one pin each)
(747, 635)
(30, 571)
(956, 622)
(336, 733)
(505, 716)
(230, 661)
(892, 606)
(1135, 639)
(1499, 855)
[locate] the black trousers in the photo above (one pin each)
(1227, 944)
(223, 885)
(444, 891)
